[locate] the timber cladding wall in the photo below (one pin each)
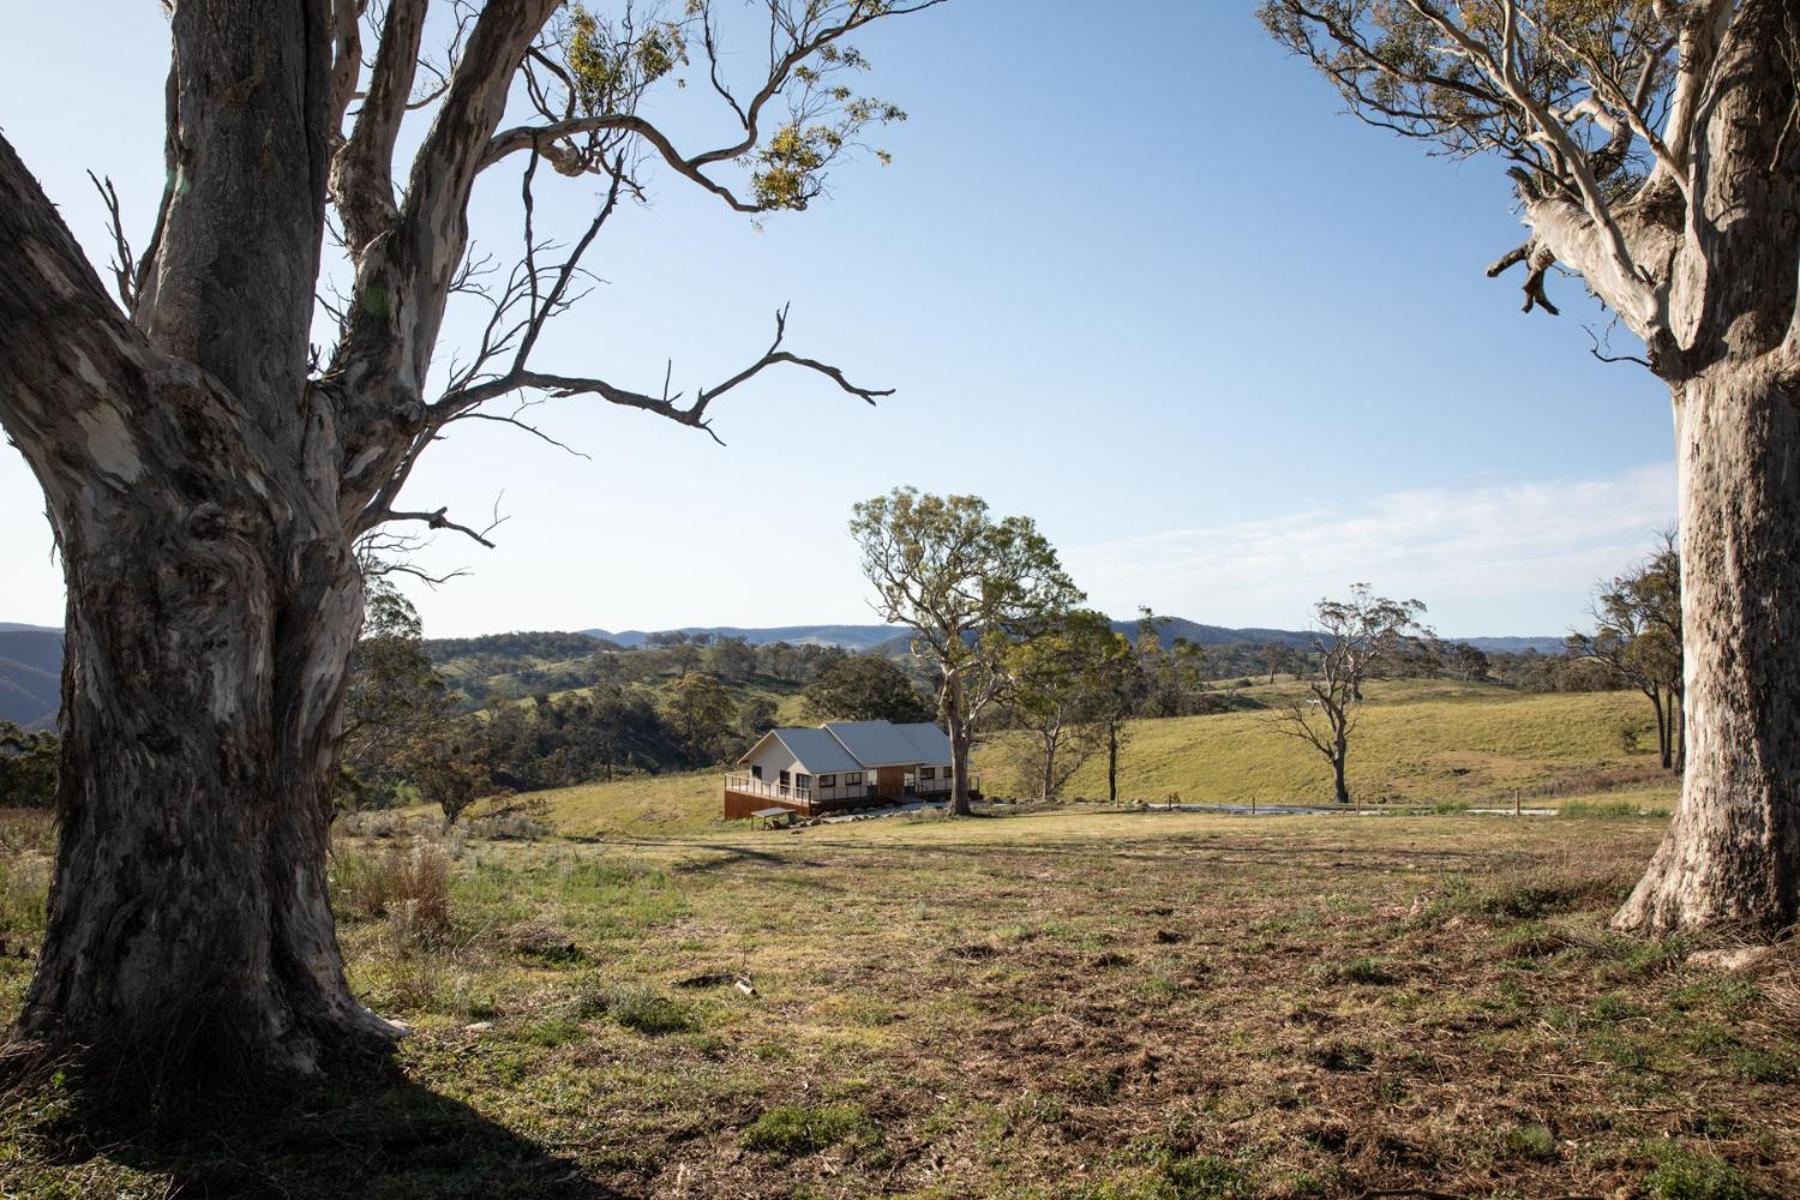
(740, 805)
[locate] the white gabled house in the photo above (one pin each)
(841, 764)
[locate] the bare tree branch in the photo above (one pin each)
(437, 519)
(665, 405)
(122, 264)
(363, 167)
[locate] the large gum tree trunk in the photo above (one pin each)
(1732, 852)
(192, 476)
(207, 649)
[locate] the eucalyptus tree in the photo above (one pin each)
(1356, 636)
(1637, 641)
(1653, 148)
(865, 687)
(208, 473)
(1064, 687)
(969, 587)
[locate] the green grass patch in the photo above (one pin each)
(1690, 1175)
(641, 1008)
(793, 1130)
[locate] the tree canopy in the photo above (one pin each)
(968, 587)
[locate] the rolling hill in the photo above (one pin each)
(30, 675)
(856, 638)
(31, 656)
(1420, 742)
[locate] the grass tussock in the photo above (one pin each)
(406, 880)
(27, 832)
(641, 1008)
(1534, 891)
(27, 847)
(24, 896)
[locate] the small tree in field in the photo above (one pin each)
(448, 764)
(1653, 148)
(1063, 692)
(1355, 637)
(1637, 642)
(968, 587)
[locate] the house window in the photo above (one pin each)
(802, 782)
(927, 772)
(755, 771)
(826, 781)
(852, 778)
(784, 779)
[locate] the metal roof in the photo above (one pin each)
(884, 744)
(817, 750)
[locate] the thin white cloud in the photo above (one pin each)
(1487, 560)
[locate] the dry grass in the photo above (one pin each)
(1106, 1006)
(1417, 742)
(1424, 742)
(404, 877)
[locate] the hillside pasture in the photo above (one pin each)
(1416, 742)
(1421, 743)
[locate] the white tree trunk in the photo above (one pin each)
(1732, 852)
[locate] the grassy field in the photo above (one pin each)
(1419, 742)
(1416, 742)
(1095, 1005)
(1081, 1002)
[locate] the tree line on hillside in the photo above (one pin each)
(1068, 693)
(514, 666)
(680, 702)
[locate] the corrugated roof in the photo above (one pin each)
(817, 750)
(884, 744)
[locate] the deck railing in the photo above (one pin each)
(747, 784)
(750, 785)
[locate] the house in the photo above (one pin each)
(841, 764)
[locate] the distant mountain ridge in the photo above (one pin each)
(30, 675)
(31, 655)
(850, 637)
(892, 638)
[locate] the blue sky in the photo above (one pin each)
(1132, 274)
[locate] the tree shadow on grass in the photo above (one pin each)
(370, 1133)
